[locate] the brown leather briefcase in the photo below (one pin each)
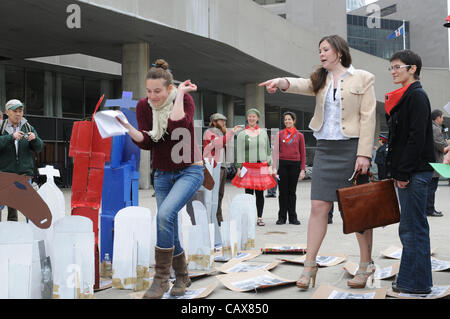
(368, 206)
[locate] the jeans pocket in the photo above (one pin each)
(158, 173)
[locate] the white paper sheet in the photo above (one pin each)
(108, 125)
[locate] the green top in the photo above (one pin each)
(253, 149)
(21, 162)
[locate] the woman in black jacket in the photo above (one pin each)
(410, 152)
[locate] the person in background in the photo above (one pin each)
(215, 141)
(441, 147)
(344, 127)
(254, 162)
(410, 151)
(19, 142)
(289, 153)
(380, 157)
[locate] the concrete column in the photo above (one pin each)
(254, 98)
(229, 110)
(135, 65)
(220, 105)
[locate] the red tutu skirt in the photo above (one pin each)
(257, 177)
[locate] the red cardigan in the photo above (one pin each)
(292, 151)
(162, 157)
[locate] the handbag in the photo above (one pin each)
(368, 206)
(208, 181)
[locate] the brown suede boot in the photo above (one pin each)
(160, 284)
(182, 279)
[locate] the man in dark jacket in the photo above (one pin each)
(410, 151)
(380, 158)
(18, 142)
(441, 147)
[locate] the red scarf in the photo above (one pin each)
(289, 132)
(252, 128)
(392, 98)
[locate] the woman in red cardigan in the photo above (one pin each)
(289, 152)
(165, 120)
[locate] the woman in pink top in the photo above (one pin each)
(289, 153)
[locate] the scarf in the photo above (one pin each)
(392, 98)
(161, 116)
(289, 134)
(248, 127)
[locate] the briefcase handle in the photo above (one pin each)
(357, 173)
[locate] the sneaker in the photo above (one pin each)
(271, 196)
(295, 222)
(281, 222)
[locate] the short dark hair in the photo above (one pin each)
(292, 114)
(435, 114)
(409, 58)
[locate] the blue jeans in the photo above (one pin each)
(415, 266)
(173, 190)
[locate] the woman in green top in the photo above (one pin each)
(254, 160)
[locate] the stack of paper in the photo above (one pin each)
(108, 125)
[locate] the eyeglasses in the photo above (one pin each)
(397, 67)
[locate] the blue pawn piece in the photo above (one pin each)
(121, 177)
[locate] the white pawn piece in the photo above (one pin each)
(212, 198)
(16, 249)
(132, 247)
(54, 198)
(74, 271)
(243, 211)
(200, 249)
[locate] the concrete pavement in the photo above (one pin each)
(335, 243)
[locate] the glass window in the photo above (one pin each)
(15, 83)
(72, 96)
(35, 92)
(92, 95)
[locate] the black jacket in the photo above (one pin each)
(411, 147)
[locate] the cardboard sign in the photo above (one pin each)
(198, 293)
(439, 265)
(329, 292)
(236, 266)
(436, 293)
(248, 281)
(322, 261)
(380, 273)
(284, 249)
(241, 256)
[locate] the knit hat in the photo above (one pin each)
(254, 111)
(13, 105)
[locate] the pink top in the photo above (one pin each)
(289, 150)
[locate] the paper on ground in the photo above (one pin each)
(241, 256)
(442, 169)
(322, 261)
(189, 294)
(380, 273)
(396, 252)
(248, 281)
(436, 293)
(235, 266)
(439, 265)
(326, 291)
(108, 125)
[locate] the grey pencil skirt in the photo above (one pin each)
(334, 164)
